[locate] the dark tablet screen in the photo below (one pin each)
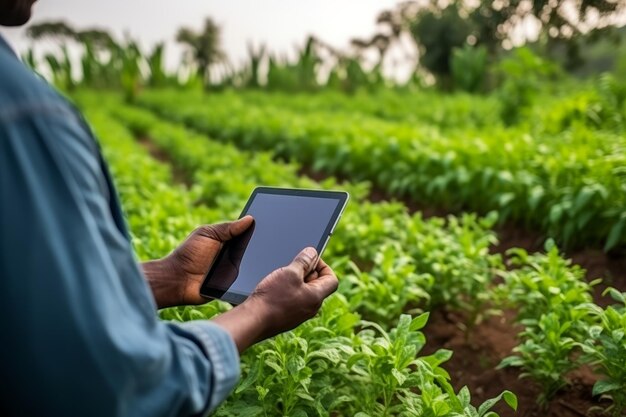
(286, 221)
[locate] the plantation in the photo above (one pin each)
(481, 259)
(368, 353)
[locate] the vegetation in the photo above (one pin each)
(605, 348)
(361, 354)
(337, 361)
(563, 184)
(203, 47)
(551, 297)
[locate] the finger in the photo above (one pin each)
(322, 268)
(313, 275)
(239, 244)
(239, 226)
(226, 231)
(324, 286)
(305, 261)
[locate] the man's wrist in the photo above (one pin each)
(159, 274)
(257, 308)
(248, 323)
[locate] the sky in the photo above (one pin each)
(280, 24)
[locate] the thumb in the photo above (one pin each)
(239, 226)
(305, 261)
(226, 231)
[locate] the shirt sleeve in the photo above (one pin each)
(80, 334)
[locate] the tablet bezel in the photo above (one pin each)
(342, 198)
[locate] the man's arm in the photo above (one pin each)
(81, 336)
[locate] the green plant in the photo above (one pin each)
(547, 350)
(522, 74)
(158, 76)
(605, 350)
(469, 67)
(327, 365)
(388, 374)
(203, 48)
(551, 297)
(390, 287)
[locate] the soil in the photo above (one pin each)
(179, 176)
(475, 360)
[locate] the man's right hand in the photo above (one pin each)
(283, 300)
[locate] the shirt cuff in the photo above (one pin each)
(222, 353)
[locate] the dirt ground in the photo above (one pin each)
(475, 360)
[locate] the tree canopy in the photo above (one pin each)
(203, 47)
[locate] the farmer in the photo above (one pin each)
(78, 314)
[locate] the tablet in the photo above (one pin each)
(285, 222)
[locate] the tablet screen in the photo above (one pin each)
(286, 221)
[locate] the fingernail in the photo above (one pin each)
(310, 252)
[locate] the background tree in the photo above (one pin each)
(203, 47)
(57, 31)
(438, 26)
(438, 32)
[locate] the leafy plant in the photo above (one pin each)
(522, 74)
(551, 297)
(605, 350)
(469, 67)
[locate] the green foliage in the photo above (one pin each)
(551, 297)
(390, 287)
(438, 32)
(327, 366)
(438, 27)
(298, 76)
(334, 364)
(61, 69)
(105, 63)
(447, 259)
(522, 74)
(605, 350)
(469, 68)
(361, 355)
(58, 30)
(203, 47)
(158, 76)
(569, 185)
(600, 105)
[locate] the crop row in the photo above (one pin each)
(570, 185)
(336, 361)
(426, 108)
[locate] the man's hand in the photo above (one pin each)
(283, 300)
(176, 279)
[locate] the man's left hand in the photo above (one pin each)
(176, 279)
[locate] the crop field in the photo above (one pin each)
(481, 257)
(433, 316)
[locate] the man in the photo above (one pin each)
(80, 334)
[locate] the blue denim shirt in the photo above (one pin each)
(80, 333)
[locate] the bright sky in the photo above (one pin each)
(280, 24)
